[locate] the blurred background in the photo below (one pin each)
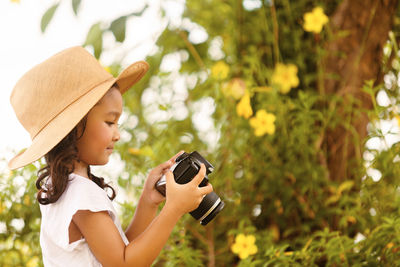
(295, 103)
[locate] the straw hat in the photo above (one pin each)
(51, 98)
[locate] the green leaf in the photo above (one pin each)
(118, 28)
(48, 15)
(95, 39)
(75, 6)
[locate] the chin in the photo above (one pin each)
(100, 162)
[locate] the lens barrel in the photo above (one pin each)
(209, 207)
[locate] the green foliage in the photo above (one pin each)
(20, 219)
(75, 6)
(118, 28)
(47, 17)
(276, 187)
(95, 39)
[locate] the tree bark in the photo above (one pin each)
(355, 58)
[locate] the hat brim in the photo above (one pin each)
(64, 122)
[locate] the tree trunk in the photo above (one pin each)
(355, 58)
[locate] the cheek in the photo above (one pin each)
(100, 135)
(95, 138)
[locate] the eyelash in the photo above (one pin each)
(110, 123)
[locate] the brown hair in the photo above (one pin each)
(60, 164)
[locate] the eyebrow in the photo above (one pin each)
(115, 113)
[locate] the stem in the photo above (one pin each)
(276, 31)
(192, 50)
(196, 234)
(211, 246)
(320, 73)
(267, 32)
(365, 35)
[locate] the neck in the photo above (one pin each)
(81, 168)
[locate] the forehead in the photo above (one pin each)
(110, 102)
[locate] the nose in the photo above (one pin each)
(116, 135)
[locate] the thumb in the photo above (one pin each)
(169, 177)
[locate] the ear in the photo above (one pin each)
(80, 127)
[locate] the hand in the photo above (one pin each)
(150, 194)
(183, 198)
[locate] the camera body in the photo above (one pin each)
(185, 168)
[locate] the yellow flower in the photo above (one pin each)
(34, 261)
(351, 219)
(15, 1)
(263, 123)
(390, 245)
(315, 20)
(220, 70)
(107, 68)
(243, 108)
(235, 88)
(2, 207)
(244, 246)
(134, 151)
(398, 119)
(285, 76)
(288, 253)
(144, 151)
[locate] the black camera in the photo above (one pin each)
(185, 168)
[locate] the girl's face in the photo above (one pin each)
(101, 131)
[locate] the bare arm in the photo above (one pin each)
(147, 207)
(144, 215)
(106, 243)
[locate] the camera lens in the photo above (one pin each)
(211, 216)
(209, 207)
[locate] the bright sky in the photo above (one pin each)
(23, 45)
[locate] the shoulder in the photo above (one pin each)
(83, 186)
(83, 193)
(75, 180)
(80, 194)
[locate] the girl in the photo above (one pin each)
(70, 106)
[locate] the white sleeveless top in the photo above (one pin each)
(80, 194)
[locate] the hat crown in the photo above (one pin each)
(51, 86)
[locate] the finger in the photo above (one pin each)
(206, 189)
(176, 155)
(169, 177)
(163, 166)
(200, 175)
(168, 164)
